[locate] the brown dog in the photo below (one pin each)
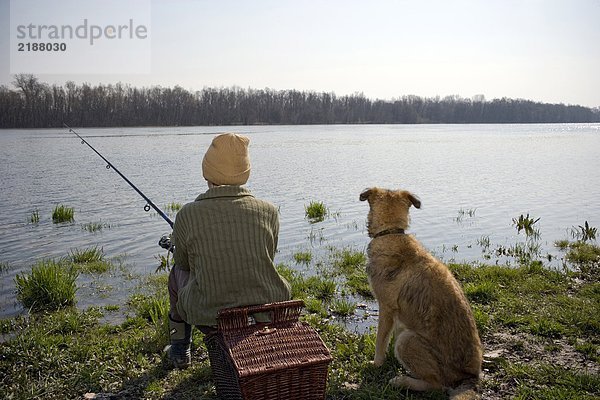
(420, 301)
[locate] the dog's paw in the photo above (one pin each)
(377, 362)
(399, 381)
(407, 382)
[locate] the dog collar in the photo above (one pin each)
(393, 231)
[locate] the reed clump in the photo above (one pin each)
(62, 213)
(90, 260)
(343, 307)
(49, 286)
(527, 224)
(173, 206)
(34, 218)
(95, 226)
(315, 211)
(303, 257)
(4, 266)
(584, 232)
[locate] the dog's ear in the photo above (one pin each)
(365, 194)
(414, 200)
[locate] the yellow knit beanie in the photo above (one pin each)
(226, 161)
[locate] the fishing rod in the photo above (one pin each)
(109, 165)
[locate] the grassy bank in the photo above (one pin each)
(540, 329)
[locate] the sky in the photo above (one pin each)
(540, 50)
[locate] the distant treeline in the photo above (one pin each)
(35, 104)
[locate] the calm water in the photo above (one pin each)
(492, 173)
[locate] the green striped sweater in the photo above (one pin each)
(227, 239)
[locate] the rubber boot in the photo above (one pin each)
(179, 351)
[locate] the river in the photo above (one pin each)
(472, 181)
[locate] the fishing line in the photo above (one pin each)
(109, 165)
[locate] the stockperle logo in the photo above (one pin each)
(92, 36)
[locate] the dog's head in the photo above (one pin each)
(388, 209)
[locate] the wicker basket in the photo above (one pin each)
(284, 359)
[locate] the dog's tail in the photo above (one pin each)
(467, 390)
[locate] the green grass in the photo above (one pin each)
(343, 307)
(358, 283)
(526, 224)
(315, 306)
(582, 253)
(95, 226)
(522, 252)
(34, 218)
(315, 211)
(584, 257)
(154, 309)
(316, 287)
(65, 354)
(50, 286)
(90, 260)
(562, 244)
(549, 381)
(348, 261)
(62, 213)
(173, 206)
(303, 257)
(350, 266)
(321, 288)
(545, 322)
(531, 299)
(584, 232)
(462, 214)
(590, 350)
(481, 293)
(484, 242)
(164, 262)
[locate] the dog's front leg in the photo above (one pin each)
(384, 332)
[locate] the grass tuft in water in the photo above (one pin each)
(303, 257)
(34, 218)
(4, 266)
(583, 253)
(343, 307)
(316, 306)
(348, 261)
(462, 214)
(584, 232)
(526, 224)
(95, 226)
(584, 256)
(358, 283)
(321, 288)
(315, 211)
(173, 206)
(50, 286)
(90, 260)
(62, 213)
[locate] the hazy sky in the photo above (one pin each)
(543, 50)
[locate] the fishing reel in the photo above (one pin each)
(165, 243)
